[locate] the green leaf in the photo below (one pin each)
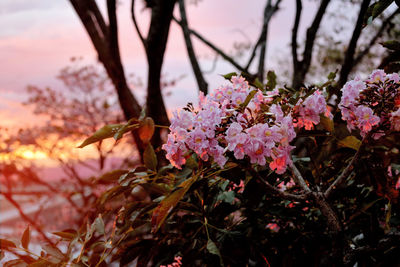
(271, 77)
(227, 197)
(213, 249)
(248, 99)
(332, 75)
(161, 212)
(392, 45)
(350, 142)
(26, 238)
(327, 123)
(375, 10)
(68, 234)
(146, 129)
(229, 75)
(105, 132)
(112, 176)
(150, 158)
(126, 128)
(4, 244)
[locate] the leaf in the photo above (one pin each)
(146, 129)
(26, 238)
(332, 75)
(213, 249)
(150, 158)
(375, 10)
(161, 212)
(126, 128)
(4, 244)
(40, 263)
(53, 251)
(105, 132)
(392, 45)
(98, 225)
(229, 75)
(271, 77)
(15, 263)
(327, 123)
(68, 234)
(112, 176)
(350, 142)
(248, 99)
(227, 197)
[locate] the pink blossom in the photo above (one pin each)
(310, 110)
(175, 152)
(257, 152)
(366, 119)
(395, 120)
(377, 75)
(277, 111)
(394, 77)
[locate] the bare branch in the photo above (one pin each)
(136, 24)
(213, 47)
(27, 219)
(275, 191)
(299, 178)
(300, 71)
(378, 34)
(201, 82)
(295, 30)
(346, 172)
(349, 57)
(269, 11)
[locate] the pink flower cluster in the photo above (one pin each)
(310, 109)
(372, 103)
(177, 262)
(221, 127)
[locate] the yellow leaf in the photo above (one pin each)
(103, 133)
(161, 212)
(350, 142)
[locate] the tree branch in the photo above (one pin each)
(213, 47)
(349, 57)
(275, 191)
(346, 172)
(269, 11)
(378, 34)
(295, 30)
(300, 72)
(201, 82)
(142, 39)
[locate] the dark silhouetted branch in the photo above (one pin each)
(269, 11)
(142, 39)
(216, 49)
(201, 82)
(300, 72)
(348, 63)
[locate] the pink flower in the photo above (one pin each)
(310, 110)
(257, 152)
(395, 120)
(366, 119)
(394, 77)
(239, 149)
(183, 119)
(277, 111)
(377, 76)
(175, 152)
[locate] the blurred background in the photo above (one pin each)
(70, 67)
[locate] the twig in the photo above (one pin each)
(346, 172)
(213, 47)
(276, 191)
(136, 24)
(201, 82)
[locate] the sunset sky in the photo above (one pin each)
(38, 37)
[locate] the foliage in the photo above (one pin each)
(335, 201)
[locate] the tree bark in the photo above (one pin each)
(105, 41)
